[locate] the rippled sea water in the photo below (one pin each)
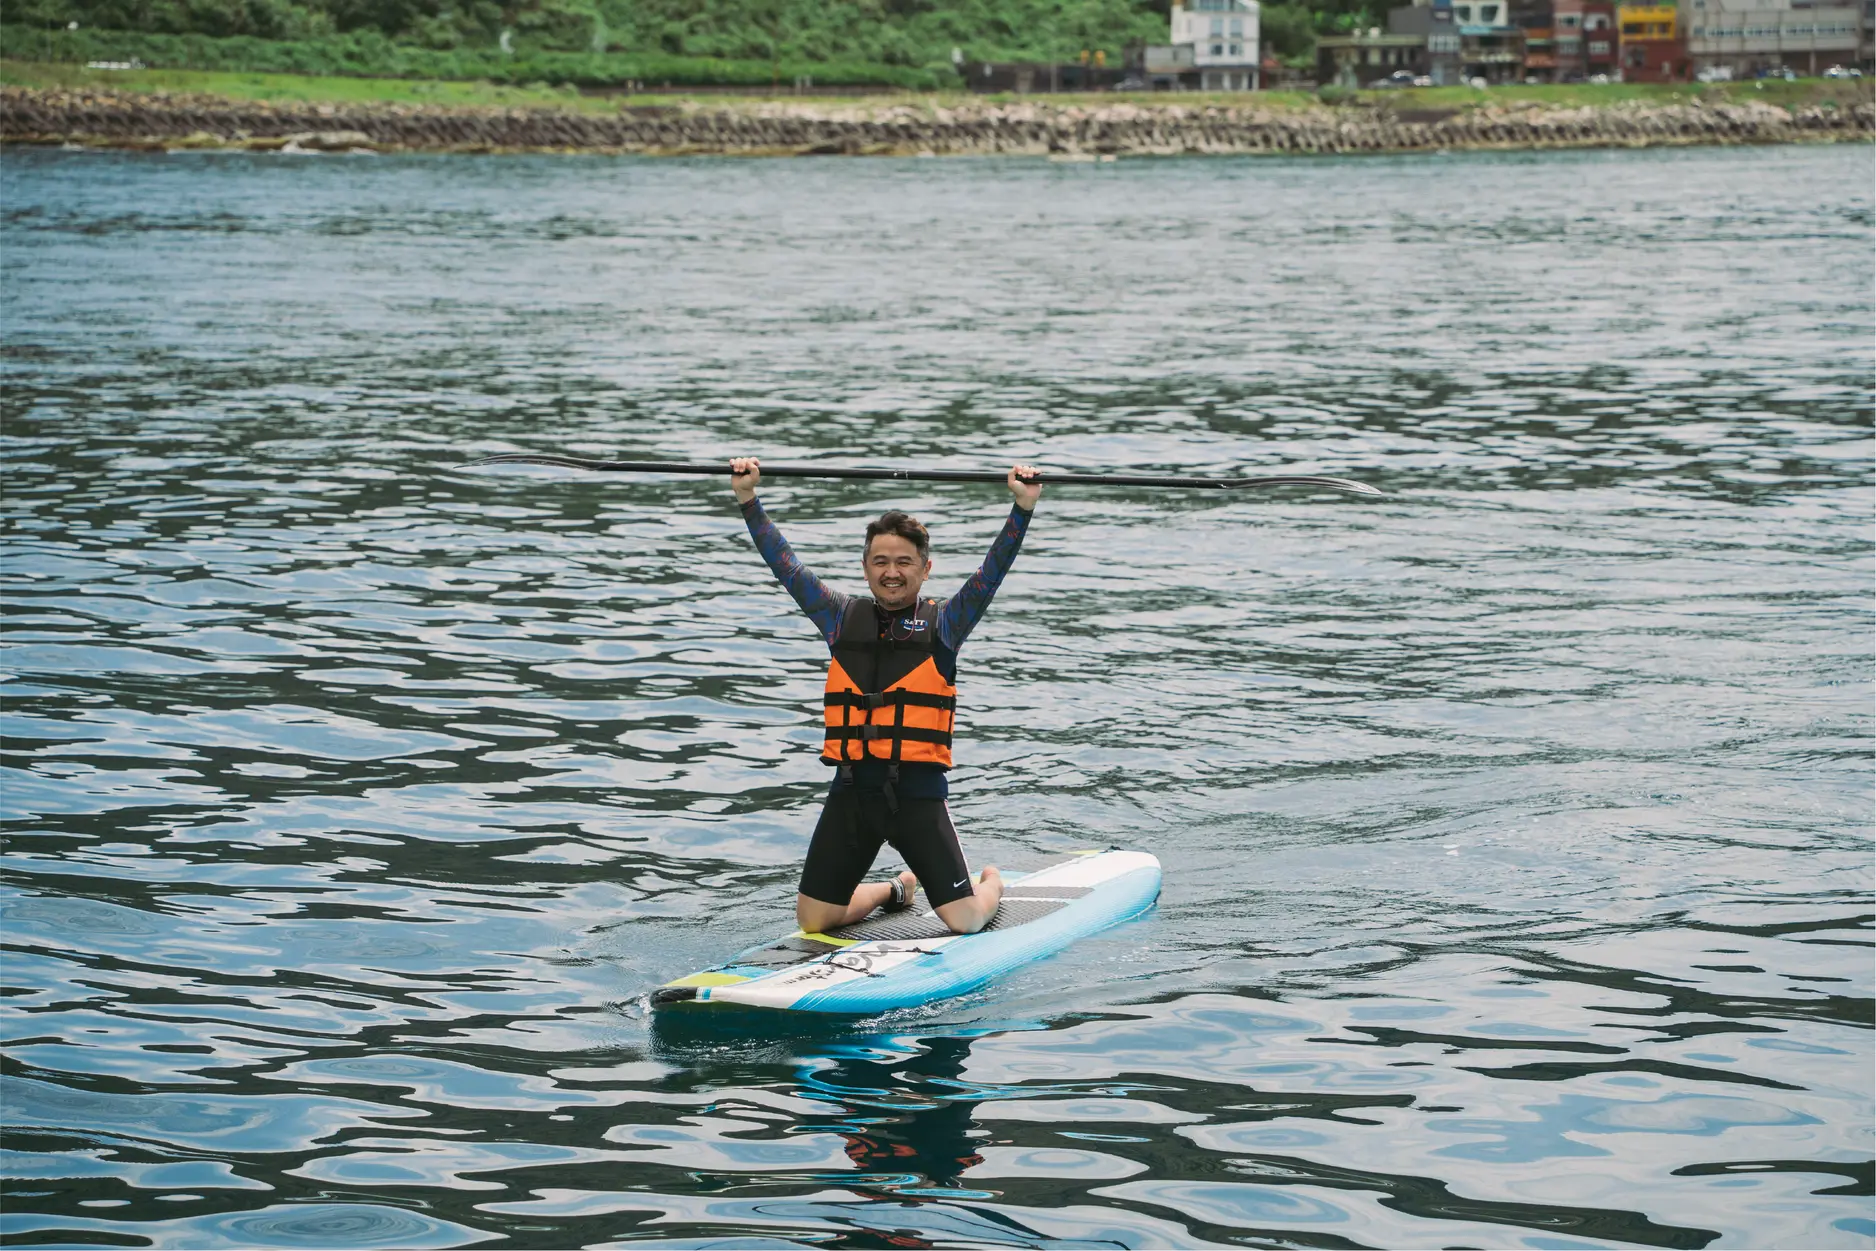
(1516, 826)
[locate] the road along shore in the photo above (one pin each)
(119, 119)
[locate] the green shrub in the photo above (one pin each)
(368, 54)
(1288, 31)
(687, 41)
(903, 32)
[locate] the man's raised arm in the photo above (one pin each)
(823, 605)
(963, 610)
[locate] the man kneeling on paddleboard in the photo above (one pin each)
(891, 693)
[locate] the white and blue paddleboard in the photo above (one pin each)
(899, 960)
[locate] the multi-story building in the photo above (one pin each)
(1223, 35)
(1490, 46)
(1585, 39)
(1538, 20)
(1568, 41)
(1749, 37)
(1602, 40)
(1652, 48)
(1368, 57)
(1433, 22)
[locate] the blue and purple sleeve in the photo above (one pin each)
(824, 606)
(963, 610)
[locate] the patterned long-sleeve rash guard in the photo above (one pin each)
(826, 607)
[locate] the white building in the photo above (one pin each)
(1746, 36)
(1223, 37)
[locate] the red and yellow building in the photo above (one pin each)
(1654, 48)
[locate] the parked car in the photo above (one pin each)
(1838, 71)
(1780, 71)
(1423, 80)
(1715, 74)
(1399, 78)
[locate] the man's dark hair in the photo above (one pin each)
(905, 526)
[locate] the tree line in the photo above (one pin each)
(922, 35)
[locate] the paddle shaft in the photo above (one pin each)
(931, 475)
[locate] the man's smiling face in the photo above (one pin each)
(895, 571)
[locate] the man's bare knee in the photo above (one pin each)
(813, 915)
(962, 916)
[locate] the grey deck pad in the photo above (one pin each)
(1016, 908)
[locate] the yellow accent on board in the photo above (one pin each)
(829, 939)
(709, 979)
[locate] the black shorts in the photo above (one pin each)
(856, 821)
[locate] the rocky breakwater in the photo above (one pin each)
(911, 127)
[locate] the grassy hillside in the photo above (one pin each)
(906, 33)
(908, 42)
(369, 54)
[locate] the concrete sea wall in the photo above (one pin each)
(134, 120)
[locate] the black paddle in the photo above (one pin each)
(929, 475)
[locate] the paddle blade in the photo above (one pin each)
(1330, 484)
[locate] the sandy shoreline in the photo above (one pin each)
(97, 118)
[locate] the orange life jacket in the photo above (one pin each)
(885, 699)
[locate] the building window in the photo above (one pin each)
(1599, 47)
(1488, 14)
(1218, 26)
(1218, 49)
(1237, 27)
(1464, 11)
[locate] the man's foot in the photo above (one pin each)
(989, 890)
(903, 888)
